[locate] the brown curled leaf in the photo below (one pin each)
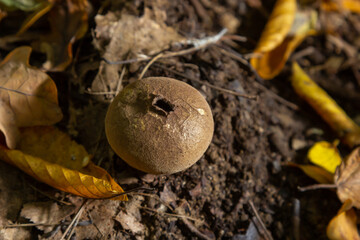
(28, 96)
(347, 179)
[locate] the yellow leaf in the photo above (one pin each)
(325, 155)
(347, 179)
(325, 106)
(343, 225)
(28, 96)
(286, 29)
(271, 52)
(50, 156)
(278, 25)
(339, 5)
(317, 173)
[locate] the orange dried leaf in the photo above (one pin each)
(343, 225)
(341, 5)
(317, 173)
(325, 106)
(68, 23)
(276, 46)
(50, 156)
(41, 10)
(28, 96)
(278, 25)
(273, 44)
(347, 179)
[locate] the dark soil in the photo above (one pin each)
(245, 164)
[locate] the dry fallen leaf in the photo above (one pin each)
(341, 5)
(128, 37)
(285, 30)
(28, 96)
(343, 225)
(68, 23)
(130, 217)
(317, 173)
(45, 213)
(347, 179)
(325, 155)
(50, 156)
(325, 106)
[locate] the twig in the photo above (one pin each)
(149, 64)
(195, 230)
(305, 52)
(91, 219)
(49, 196)
(172, 214)
(123, 71)
(277, 97)
(157, 198)
(198, 44)
(74, 221)
(100, 93)
(317, 186)
(203, 42)
(242, 60)
(296, 219)
(235, 38)
(30, 225)
(126, 192)
(208, 84)
(267, 235)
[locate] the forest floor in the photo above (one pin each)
(241, 181)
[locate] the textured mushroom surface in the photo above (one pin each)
(159, 125)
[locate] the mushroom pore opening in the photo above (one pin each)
(162, 105)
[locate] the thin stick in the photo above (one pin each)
(195, 230)
(91, 219)
(251, 97)
(156, 197)
(75, 224)
(126, 192)
(317, 186)
(302, 53)
(198, 44)
(75, 219)
(49, 196)
(296, 219)
(242, 60)
(100, 93)
(123, 71)
(149, 64)
(30, 225)
(235, 38)
(266, 232)
(171, 214)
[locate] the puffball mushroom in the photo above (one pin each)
(159, 125)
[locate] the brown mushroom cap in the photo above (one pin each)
(159, 125)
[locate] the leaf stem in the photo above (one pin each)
(317, 186)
